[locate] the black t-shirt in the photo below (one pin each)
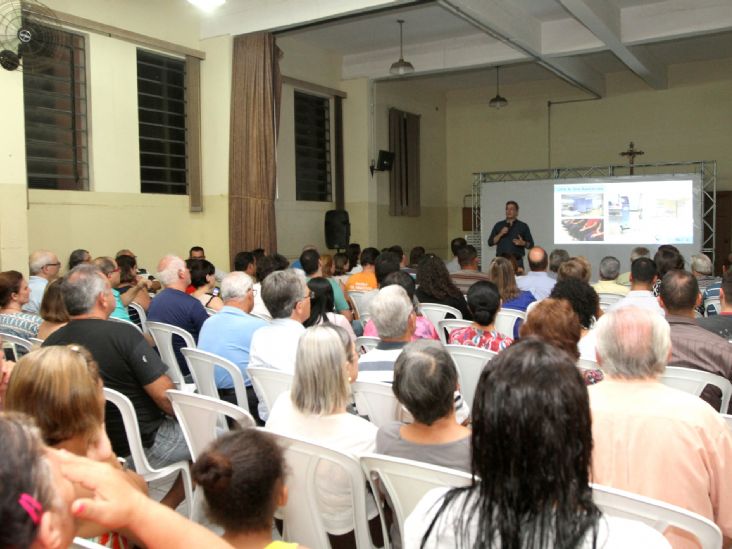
(457, 302)
(126, 364)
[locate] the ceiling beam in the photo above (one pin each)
(602, 18)
(507, 22)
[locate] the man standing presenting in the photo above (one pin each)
(511, 236)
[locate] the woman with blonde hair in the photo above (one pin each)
(501, 273)
(315, 409)
(53, 310)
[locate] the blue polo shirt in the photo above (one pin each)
(228, 334)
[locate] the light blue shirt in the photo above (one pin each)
(228, 334)
(120, 311)
(538, 283)
(37, 285)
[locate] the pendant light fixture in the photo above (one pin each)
(401, 67)
(498, 101)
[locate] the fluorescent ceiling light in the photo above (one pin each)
(207, 5)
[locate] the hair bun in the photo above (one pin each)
(213, 472)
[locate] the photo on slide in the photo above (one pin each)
(584, 230)
(582, 205)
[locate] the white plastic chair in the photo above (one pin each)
(141, 314)
(469, 362)
(506, 319)
(203, 366)
(436, 312)
(714, 305)
(128, 322)
(302, 520)
(727, 419)
(81, 543)
(377, 401)
(691, 380)
(586, 364)
(200, 418)
(162, 334)
(269, 383)
(18, 343)
(210, 311)
(357, 298)
(365, 343)
(447, 325)
(134, 440)
(607, 300)
(406, 482)
(657, 514)
(36, 342)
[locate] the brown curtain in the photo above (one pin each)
(256, 87)
(404, 175)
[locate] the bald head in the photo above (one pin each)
(173, 273)
(538, 260)
(44, 264)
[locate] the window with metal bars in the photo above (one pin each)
(312, 148)
(161, 96)
(54, 96)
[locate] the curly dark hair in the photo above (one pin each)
(434, 279)
(581, 296)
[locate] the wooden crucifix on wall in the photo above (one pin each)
(631, 153)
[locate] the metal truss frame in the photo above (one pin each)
(706, 169)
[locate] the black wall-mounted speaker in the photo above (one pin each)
(385, 161)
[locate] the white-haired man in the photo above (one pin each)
(392, 312)
(609, 271)
(44, 267)
(174, 306)
(649, 438)
(229, 332)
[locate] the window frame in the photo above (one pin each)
(329, 192)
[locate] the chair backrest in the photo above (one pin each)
(210, 311)
(377, 401)
(357, 298)
(436, 312)
(657, 514)
(141, 314)
(406, 482)
(203, 367)
(134, 440)
(162, 334)
(691, 380)
(269, 383)
(36, 342)
(586, 364)
(447, 325)
(365, 343)
(506, 319)
(727, 419)
(608, 299)
(82, 543)
(302, 520)
(200, 418)
(21, 346)
(469, 362)
(128, 322)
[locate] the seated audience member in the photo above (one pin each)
(327, 265)
(434, 286)
(667, 258)
(649, 438)
(635, 253)
(691, 345)
(398, 251)
(6, 369)
(424, 328)
(425, 381)
(721, 324)
(556, 258)
(246, 263)
(53, 310)
(196, 252)
(138, 285)
(14, 295)
(393, 315)
(703, 270)
(415, 256)
(44, 267)
(354, 253)
(203, 280)
(229, 333)
(455, 244)
(315, 409)
(576, 267)
(242, 475)
(109, 268)
(385, 264)
(77, 257)
(642, 279)
(312, 266)
(126, 364)
(536, 487)
(297, 264)
(322, 307)
(537, 281)
(512, 297)
(365, 279)
(609, 272)
(174, 306)
(554, 321)
(39, 509)
(60, 388)
(469, 272)
(341, 266)
(265, 266)
(586, 303)
(484, 303)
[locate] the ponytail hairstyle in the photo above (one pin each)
(484, 302)
(240, 474)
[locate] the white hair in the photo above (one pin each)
(633, 343)
(390, 311)
(701, 264)
(39, 259)
(169, 274)
(235, 285)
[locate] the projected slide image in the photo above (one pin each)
(583, 230)
(585, 205)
